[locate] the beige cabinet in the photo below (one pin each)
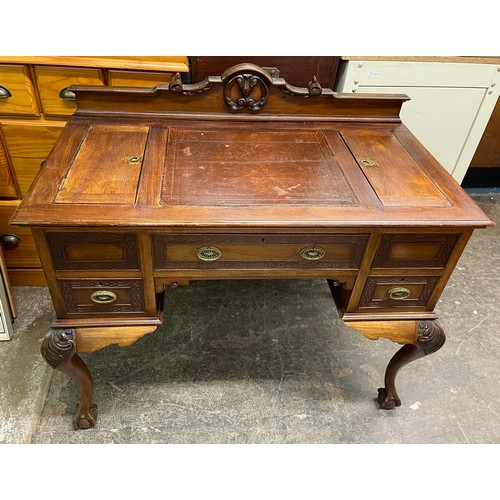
(451, 102)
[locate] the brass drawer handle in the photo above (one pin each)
(312, 253)
(4, 92)
(208, 254)
(398, 293)
(10, 239)
(103, 297)
(67, 94)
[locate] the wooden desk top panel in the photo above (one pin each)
(245, 167)
(169, 157)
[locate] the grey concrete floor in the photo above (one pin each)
(268, 362)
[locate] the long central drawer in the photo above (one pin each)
(236, 251)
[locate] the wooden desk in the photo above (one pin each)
(241, 177)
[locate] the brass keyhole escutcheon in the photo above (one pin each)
(312, 253)
(208, 254)
(133, 159)
(103, 297)
(398, 293)
(365, 162)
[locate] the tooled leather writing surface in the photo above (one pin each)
(248, 167)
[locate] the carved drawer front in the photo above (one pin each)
(209, 251)
(102, 296)
(73, 251)
(397, 291)
(17, 92)
(414, 250)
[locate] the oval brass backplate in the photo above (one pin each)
(208, 254)
(398, 293)
(312, 253)
(103, 297)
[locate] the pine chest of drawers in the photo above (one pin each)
(35, 104)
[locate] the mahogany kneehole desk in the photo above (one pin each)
(241, 177)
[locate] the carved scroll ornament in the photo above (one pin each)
(246, 86)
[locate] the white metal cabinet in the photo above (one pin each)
(450, 104)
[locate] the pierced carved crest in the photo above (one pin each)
(246, 86)
(246, 91)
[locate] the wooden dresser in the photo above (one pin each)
(35, 105)
(241, 176)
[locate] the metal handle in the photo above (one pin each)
(103, 297)
(312, 253)
(398, 293)
(10, 239)
(208, 254)
(4, 92)
(67, 94)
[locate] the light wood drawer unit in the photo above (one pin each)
(102, 297)
(52, 87)
(31, 141)
(137, 78)
(34, 109)
(17, 93)
(211, 251)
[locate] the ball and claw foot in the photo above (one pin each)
(86, 420)
(386, 401)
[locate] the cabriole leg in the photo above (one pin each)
(430, 338)
(58, 349)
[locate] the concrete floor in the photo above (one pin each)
(268, 362)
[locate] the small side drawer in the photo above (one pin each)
(397, 291)
(95, 297)
(414, 250)
(31, 141)
(216, 251)
(53, 82)
(80, 250)
(118, 78)
(17, 92)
